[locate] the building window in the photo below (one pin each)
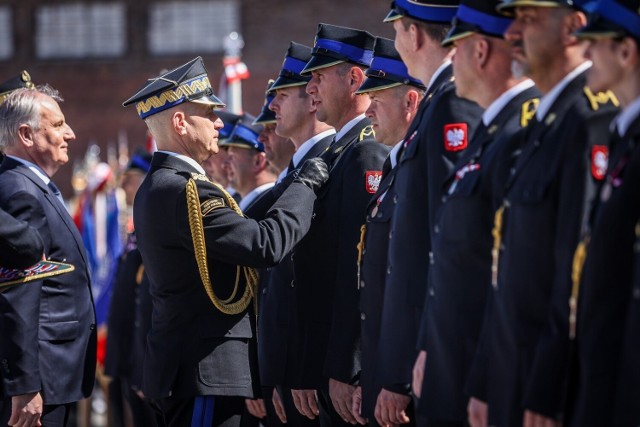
(6, 33)
(81, 31)
(179, 27)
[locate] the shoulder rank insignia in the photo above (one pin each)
(199, 177)
(600, 98)
(528, 111)
(367, 131)
(212, 204)
(455, 136)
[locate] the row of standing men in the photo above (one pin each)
(486, 236)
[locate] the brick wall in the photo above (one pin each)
(94, 89)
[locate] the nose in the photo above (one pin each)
(370, 111)
(274, 106)
(218, 123)
(512, 33)
(312, 86)
(69, 135)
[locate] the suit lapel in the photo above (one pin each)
(53, 201)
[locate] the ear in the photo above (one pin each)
(482, 49)
(411, 101)
(179, 123)
(26, 135)
(573, 22)
(629, 52)
(259, 162)
(356, 78)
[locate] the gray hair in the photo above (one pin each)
(22, 107)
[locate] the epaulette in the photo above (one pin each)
(212, 203)
(600, 98)
(528, 111)
(200, 177)
(367, 131)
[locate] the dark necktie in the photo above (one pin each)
(291, 166)
(56, 192)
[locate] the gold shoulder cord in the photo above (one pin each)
(579, 257)
(200, 249)
(497, 241)
(360, 247)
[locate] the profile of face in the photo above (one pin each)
(292, 106)
(388, 114)
(464, 66)
(48, 145)
(243, 166)
(535, 35)
(605, 73)
(216, 167)
(402, 41)
(329, 89)
(201, 130)
(278, 149)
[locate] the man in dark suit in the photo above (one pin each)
(459, 278)
(545, 200)
(435, 140)
(200, 254)
(395, 97)
(325, 261)
(294, 114)
(48, 340)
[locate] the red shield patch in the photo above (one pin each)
(372, 181)
(599, 161)
(455, 137)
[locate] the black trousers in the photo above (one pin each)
(178, 412)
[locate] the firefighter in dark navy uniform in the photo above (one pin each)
(395, 97)
(536, 228)
(327, 297)
(435, 140)
(200, 255)
(606, 331)
(294, 114)
(460, 271)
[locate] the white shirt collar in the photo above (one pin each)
(184, 158)
(624, 119)
(500, 102)
(350, 124)
(253, 194)
(304, 149)
(308, 145)
(393, 154)
(439, 71)
(34, 168)
(547, 100)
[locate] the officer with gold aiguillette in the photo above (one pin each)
(200, 254)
